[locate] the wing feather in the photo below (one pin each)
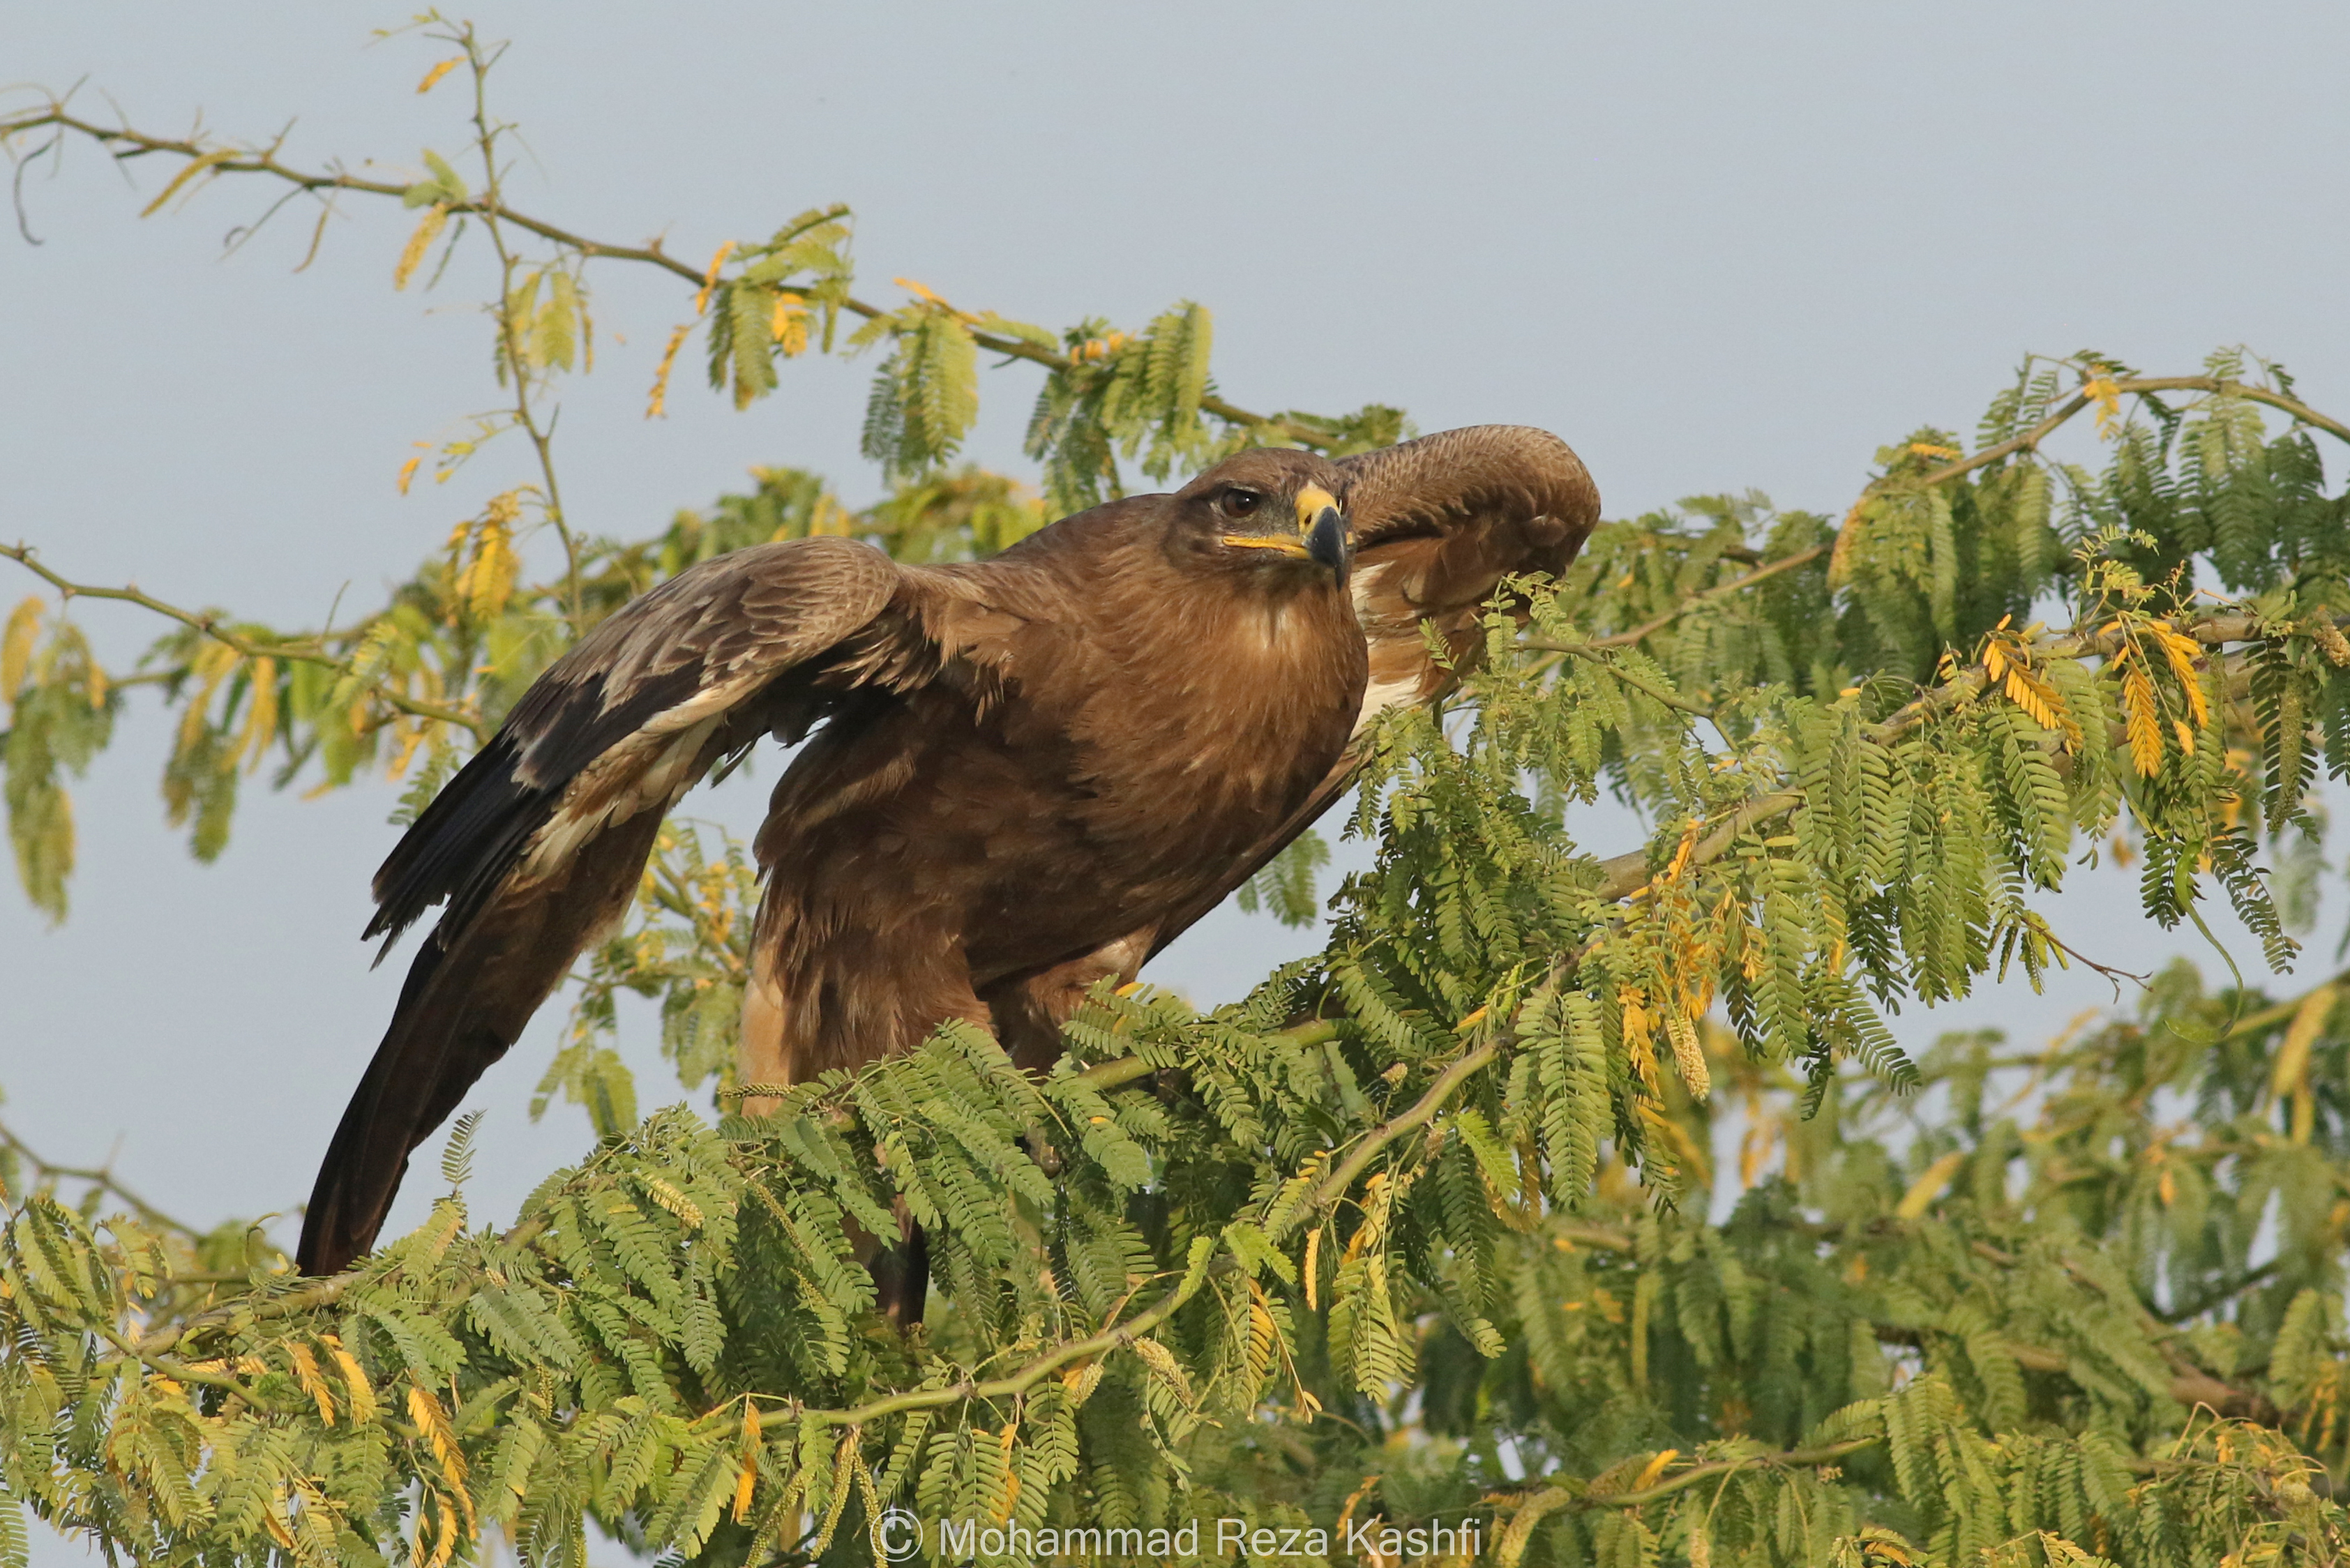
(1440, 523)
(701, 643)
(538, 842)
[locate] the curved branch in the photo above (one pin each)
(1735, 586)
(2139, 386)
(306, 652)
(137, 144)
(1824, 1454)
(1626, 875)
(102, 1177)
(2216, 386)
(1334, 1186)
(1028, 1376)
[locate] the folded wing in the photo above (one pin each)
(538, 843)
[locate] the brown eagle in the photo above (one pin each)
(1025, 774)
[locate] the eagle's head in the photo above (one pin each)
(1270, 510)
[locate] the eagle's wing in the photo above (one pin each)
(537, 843)
(1438, 523)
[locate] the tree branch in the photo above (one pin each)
(1623, 875)
(2139, 386)
(1125, 1070)
(137, 144)
(1589, 652)
(1736, 586)
(210, 626)
(2132, 386)
(1334, 1186)
(2189, 1384)
(1028, 1376)
(1681, 1479)
(243, 1311)
(102, 1177)
(1626, 875)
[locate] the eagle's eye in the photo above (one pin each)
(1240, 502)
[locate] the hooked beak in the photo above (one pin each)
(1321, 532)
(1326, 537)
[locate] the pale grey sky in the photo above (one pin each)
(1715, 247)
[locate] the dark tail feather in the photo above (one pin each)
(430, 1056)
(466, 1000)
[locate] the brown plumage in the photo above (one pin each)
(1030, 773)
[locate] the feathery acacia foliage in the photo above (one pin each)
(1420, 1230)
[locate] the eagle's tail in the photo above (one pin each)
(428, 1059)
(468, 995)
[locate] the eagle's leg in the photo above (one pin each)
(901, 1274)
(760, 1055)
(776, 1049)
(1029, 1008)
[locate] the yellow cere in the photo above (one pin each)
(1310, 502)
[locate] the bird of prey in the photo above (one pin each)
(1021, 775)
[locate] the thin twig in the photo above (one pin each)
(510, 340)
(1017, 1383)
(139, 144)
(2268, 1017)
(1735, 586)
(1588, 652)
(102, 1177)
(307, 652)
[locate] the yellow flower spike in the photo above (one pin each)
(2101, 390)
(710, 277)
(658, 405)
(1655, 1468)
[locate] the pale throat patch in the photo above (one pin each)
(1381, 694)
